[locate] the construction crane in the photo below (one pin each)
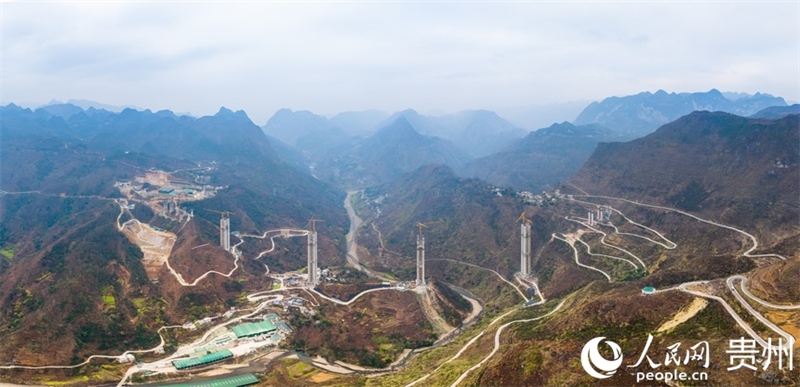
(421, 253)
(312, 222)
(420, 225)
(313, 277)
(523, 219)
(225, 214)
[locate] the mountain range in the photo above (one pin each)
(637, 115)
(65, 258)
(393, 150)
(72, 284)
(477, 132)
(543, 159)
(734, 170)
(742, 171)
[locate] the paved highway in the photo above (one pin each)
(671, 245)
(524, 297)
(752, 238)
(789, 339)
(603, 240)
(497, 342)
(760, 301)
(571, 242)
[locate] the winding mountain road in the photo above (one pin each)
(469, 343)
(281, 232)
(752, 238)
(672, 245)
(760, 301)
(571, 242)
(524, 297)
(603, 240)
(729, 281)
(497, 342)
(789, 338)
(352, 300)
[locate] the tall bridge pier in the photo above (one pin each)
(225, 232)
(313, 277)
(420, 260)
(525, 249)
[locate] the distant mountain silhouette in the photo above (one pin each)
(478, 132)
(393, 150)
(541, 160)
(362, 123)
(314, 133)
(637, 115)
(742, 171)
(775, 112)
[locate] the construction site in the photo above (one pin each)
(163, 193)
(156, 245)
(412, 308)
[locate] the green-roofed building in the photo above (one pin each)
(231, 381)
(253, 329)
(182, 364)
(271, 316)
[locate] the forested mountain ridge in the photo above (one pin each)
(64, 257)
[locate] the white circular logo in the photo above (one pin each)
(595, 364)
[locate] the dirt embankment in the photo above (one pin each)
(685, 314)
(451, 306)
(155, 245)
(777, 283)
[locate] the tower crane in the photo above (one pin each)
(420, 225)
(313, 277)
(312, 223)
(421, 253)
(225, 214)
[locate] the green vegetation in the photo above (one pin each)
(9, 251)
(110, 301)
(44, 276)
(297, 369)
(76, 380)
(108, 298)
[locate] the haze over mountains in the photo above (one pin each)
(637, 115)
(64, 255)
(543, 159)
(395, 149)
(478, 132)
(504, 154)
(742, 171)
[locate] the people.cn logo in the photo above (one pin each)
(595, 364)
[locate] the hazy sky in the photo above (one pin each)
(332, 57)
